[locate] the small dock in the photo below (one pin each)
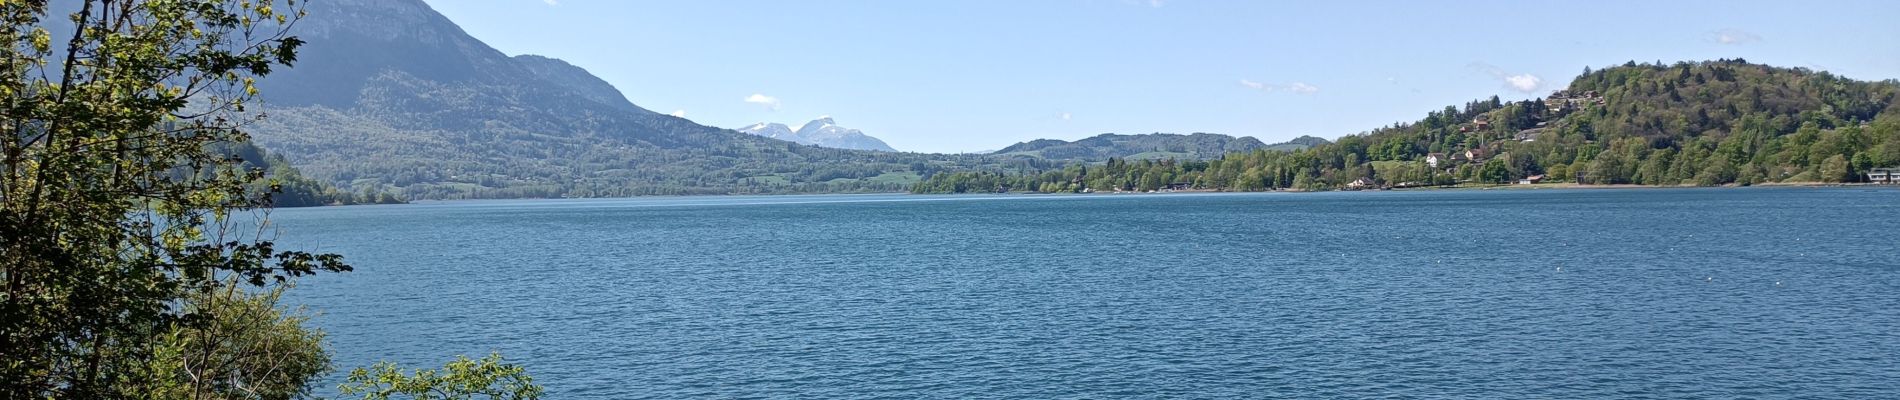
(1883, 176)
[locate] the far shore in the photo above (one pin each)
(1574, 185)
(1459, 187)
(1467, 186)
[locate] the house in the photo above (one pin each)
(1529, 135)
(1884, 176)
(1531, 180)
(1434, 159)
(1482, 122)
(1562, 100)
(1362, 183)
(1474, 155)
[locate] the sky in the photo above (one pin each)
(975, 75)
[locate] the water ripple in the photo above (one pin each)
(1771, 293)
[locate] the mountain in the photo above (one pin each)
(772, 130)
(1722, 122)
(1299, 143)
(1198, 146)
(389, 93)
(822, 132)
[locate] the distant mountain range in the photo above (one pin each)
(1198, 146)
(391, 93)
(821, 132)
(1299, 143)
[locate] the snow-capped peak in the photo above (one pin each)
(823, 132)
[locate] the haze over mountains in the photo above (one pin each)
(388, 92)
(391, 94)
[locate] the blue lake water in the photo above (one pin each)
(1718, 293)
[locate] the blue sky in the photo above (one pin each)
(950, 76)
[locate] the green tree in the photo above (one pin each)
(1494, 171)
(488, 378)
(114, 207)
(127, 200)
(1559, 172)
(247, 347)
(1834, 169)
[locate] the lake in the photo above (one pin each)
(1720, 293)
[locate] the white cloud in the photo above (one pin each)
(1295, 87)
(1066, 116)
(1156, 3)
(679, 113)
(552, 2)
(1522, 82)
(763, 100)
(1302, 88)
(1733, 36)
(1149, 3)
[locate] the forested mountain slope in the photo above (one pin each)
(389, 92)
(1150, 146)
(1689, 123)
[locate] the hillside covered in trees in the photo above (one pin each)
(1150, 146)
(391, 94)
(288, 187)
(1718, 122)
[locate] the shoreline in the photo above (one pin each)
(1539, 186)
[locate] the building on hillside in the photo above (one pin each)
(1474, 155)
(1529, 135)
(1531, 180)
(1482, 122)
(1563, 100)
(1362, 183)
(1434, 159)
(1884, 176)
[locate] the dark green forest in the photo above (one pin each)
(289, 188)
(1723, 122)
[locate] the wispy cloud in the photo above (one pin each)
(1522, 82)
(1302, 88)
(763, 100)
(1295, 87)
(1149, 3)
(679, 113)
(1065, 116)
(1733, 36)
(552, 2)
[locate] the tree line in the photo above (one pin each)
(1707, 123)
